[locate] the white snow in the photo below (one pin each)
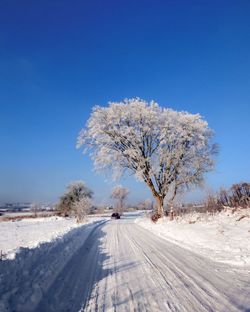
(221, 237)
(119, 266)
(32, 232)
(24, 279)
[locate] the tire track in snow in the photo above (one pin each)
(164, 277)
(122, 267)
(208, 288)
(167, 271)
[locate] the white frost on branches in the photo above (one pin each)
(76, 201)
(119, 195)
(81, 208)
(167, 149)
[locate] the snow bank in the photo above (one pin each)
(37, 268)
(223, 237)
(32, 232)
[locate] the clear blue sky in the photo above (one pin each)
(58, 58)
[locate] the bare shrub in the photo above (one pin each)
(211, 203)
(238, 195)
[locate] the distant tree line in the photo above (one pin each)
(238, 195)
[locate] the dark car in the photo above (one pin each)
(115, 215)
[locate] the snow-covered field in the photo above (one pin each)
(223, 237)
(32, 232)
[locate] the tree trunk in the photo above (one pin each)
(159, 198)
(160, 201)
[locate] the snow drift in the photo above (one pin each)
(222, 237)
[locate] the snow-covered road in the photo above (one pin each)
(123, 267)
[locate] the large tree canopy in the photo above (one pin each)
(167, 149)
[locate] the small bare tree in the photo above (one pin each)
(119, 195)
(146, 204)
(35, 208)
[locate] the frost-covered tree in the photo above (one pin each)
(81, 208)
(146, 204)
(167, 149)
(119, 195)
(75, 193)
